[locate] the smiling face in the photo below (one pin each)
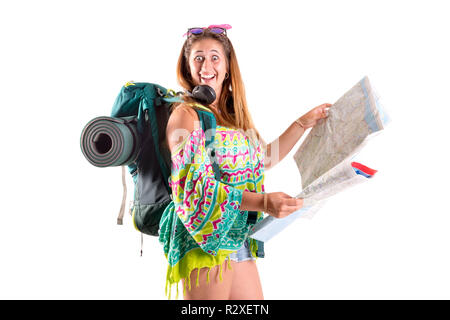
(208, 64)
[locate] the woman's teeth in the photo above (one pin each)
(207, 77)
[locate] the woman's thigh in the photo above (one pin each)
(216, 289)
(246, 284)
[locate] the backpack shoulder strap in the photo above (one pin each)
(208, 123)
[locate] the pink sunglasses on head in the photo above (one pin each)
(216, 28)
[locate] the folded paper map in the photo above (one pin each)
(324, 157)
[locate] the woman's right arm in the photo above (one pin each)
(208, 208)
(181, 123)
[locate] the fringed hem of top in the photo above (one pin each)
(194, 259)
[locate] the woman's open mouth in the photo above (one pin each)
(207, 78)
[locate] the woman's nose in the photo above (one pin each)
(206, 66)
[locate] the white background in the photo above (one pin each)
(63, 63)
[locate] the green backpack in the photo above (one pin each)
(134, 136)
(149, 106)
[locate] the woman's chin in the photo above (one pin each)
(209, 82)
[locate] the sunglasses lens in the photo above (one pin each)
(196, 31)
(218, 30)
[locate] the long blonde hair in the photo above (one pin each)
(232, 104)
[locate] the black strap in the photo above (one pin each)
(252, 217)
(260, 253)
(208, 122)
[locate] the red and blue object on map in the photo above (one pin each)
(363, 170)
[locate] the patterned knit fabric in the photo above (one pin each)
(204, 224)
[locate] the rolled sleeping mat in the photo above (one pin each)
(109, 142)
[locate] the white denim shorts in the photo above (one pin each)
(243, 254)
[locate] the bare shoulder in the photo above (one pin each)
(182, 122)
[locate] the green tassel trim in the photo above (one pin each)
(194, 259)
(207, 276)
(197, 283)
(229, 263)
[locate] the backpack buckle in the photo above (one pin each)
(160, 93)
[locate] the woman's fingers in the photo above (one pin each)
(324, 109)
(309, 119)
(281, 205)
(294, 202)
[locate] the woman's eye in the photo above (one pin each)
(215, 58)
(198, 58)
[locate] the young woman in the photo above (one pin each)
(204, 231)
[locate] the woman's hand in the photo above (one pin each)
(280, 205)
(309, 119)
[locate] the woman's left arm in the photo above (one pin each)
(279, 148)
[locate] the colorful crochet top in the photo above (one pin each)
(203, 224)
